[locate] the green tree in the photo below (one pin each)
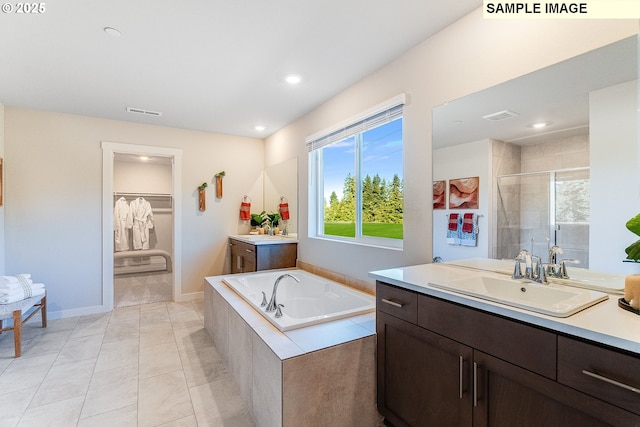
(347, 210)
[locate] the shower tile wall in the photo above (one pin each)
(506, 160)
(521, 203)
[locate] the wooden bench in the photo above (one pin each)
(16, 310)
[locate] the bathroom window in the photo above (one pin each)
(356, 192)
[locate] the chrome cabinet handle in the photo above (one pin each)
(248, 250)
(461, 374)
(475, 384)
(239, 262)
(610, 381)
(393, 303)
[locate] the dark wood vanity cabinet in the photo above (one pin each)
(248, 257)
(443, 364)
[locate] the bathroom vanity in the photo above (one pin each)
(456, 360)
(262, 252)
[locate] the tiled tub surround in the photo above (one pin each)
(319, 375)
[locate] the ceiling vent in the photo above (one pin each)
(145, 112)
(500, 115)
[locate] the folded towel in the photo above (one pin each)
(453, 222)
(453, 232)
(18, 284)
(21, 290)
(13, 279)
(469, 230)
(467, 223)
(21, 296)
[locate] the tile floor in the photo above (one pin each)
(146, 365)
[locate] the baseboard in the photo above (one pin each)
(61, 314)
(193, 296)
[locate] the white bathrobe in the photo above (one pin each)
(140, 221)
(120, 216)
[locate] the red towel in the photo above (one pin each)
(467, 223)
(453, 222)
(245, 211)
(284, 211)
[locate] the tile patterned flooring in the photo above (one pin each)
(146, 365)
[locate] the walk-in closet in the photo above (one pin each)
(142, 229)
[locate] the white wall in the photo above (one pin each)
(2, 232)
(464, 161)
(613, 114)
(470, 55)
(54, 199)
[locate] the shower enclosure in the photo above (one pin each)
(540, 209)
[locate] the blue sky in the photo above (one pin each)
(382, 155)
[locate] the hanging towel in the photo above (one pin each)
(245, 211)
(469, 230)
(453, 234)
(284, 210)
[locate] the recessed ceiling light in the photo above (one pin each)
(112, 31)
(143, 157)
(539, 125)
(293, 79)
(260, 128)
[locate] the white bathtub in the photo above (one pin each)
(314, 300)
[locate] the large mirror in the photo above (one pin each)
(539, 146)
(281, 187)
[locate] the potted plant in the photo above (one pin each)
(219, 177)
(202, 203)
(632, 281)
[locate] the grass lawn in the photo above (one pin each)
(348, 229)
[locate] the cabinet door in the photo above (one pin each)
(243, 257)
(506, 395)
(423, 378)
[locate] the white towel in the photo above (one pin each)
(13, 279)
(21, 290)
(21, 280)
(20, 296)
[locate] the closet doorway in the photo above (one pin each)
(140, 194)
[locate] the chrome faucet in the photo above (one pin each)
(534, 268)
(273, 305)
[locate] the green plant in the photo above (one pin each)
(633, 250)
(257, 219)
(220, 174)
(274, 218)
(202, 186)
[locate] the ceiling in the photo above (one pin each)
(215, 65)
(558, 95)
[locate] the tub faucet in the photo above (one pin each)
(272, 306)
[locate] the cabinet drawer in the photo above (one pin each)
(606, 374)
(397, 302)
(243, 248)
(522, 345)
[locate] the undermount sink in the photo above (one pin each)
(558, 301)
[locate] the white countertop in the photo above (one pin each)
(265, 239)
(604, 322)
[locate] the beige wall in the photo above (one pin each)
(54, 199)
(468, 56)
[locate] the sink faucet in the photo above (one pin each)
(534, 268)
(273, 305)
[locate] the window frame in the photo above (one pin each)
(316, 182)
